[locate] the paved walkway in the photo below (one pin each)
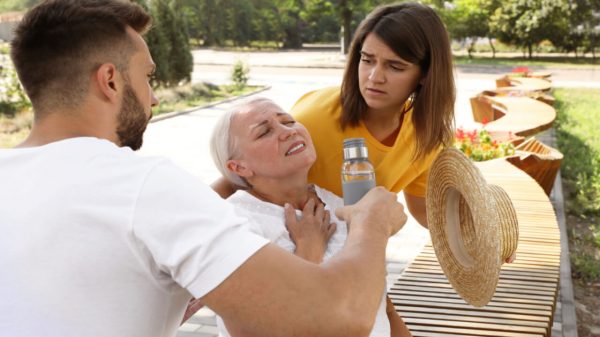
(184, 139)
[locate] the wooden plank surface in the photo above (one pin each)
(525, 297)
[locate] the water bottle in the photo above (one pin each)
(358, 175)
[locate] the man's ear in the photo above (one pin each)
(107, 80)
(239, 168)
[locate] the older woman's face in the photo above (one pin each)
(270, 143)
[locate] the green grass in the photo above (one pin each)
(542, 61)
(577, 125)
(188, 96)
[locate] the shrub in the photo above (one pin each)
(12, 96)
(239, 75)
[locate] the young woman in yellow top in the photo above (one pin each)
(398, 93)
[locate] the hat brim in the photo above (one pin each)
(472, 224)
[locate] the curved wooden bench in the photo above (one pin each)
(523, 116)
(525, 297)
(510, 83)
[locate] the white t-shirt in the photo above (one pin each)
(268, 220)
(97, 241)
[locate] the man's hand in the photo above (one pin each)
(312, 232)
(377, 210)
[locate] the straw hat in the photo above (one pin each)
(473, 226)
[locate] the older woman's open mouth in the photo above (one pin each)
(295, 148)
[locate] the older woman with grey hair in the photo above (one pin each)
(267, 154)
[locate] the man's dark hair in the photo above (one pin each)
(59, 44)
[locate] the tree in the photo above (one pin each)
(181, 61)
(468, 20)
(168, 42)
(351, 12)
(322, 24)
(526, 23)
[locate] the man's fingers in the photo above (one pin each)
(341, 213)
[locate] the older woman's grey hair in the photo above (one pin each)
(223, 145)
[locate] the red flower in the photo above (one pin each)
(520, 70)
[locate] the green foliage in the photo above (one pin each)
(168, 42)
(526, 23)
(16, 5)
(193, 95)
(239, 75)
(585, 267)
(468, 19)
(12, 96)
(321, 22)
(577, 123)
(577, 127)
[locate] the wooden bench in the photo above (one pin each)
(525, 298)
(511, 83)
(521, 115)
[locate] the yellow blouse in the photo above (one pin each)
(395, 168)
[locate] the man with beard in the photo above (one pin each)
(97, 241)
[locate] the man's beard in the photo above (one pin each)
(132, 120)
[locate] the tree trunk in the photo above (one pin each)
(492, 46)
(346, 17)
(470, 49)
(530, 50)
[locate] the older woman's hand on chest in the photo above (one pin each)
(310, 233)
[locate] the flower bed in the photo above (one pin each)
(480, 145)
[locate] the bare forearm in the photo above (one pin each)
(309, 255)
(417, 208)
(223, 187)
(339, 298)
(397, 326)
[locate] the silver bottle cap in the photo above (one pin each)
(355, 148)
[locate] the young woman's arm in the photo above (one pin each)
(223, 187)
(416, 207)
(397, 326)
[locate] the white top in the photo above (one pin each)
(96, 241)
(268, 220)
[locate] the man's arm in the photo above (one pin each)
(277, 294)
(417, 208)
(224, 187)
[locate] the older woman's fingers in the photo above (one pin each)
(331, 230)
(326, 218)
(320, 212)
(309, 208)
(290, 216)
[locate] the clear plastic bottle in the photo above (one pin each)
(358, 174)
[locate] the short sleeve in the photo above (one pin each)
(190, 233)
(418, 187)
